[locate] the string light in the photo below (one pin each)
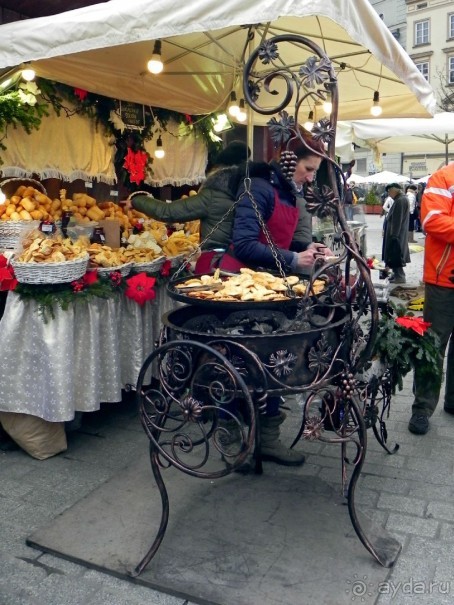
(241, 116)
(233, 106)
(159, 151)
(376, 108)
(155, 64)
(28, 74)
(309, 124)
(327, 107)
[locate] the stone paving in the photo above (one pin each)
(409, 493)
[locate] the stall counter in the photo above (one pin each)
(84, 356)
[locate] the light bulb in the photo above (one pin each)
(233, 106)
(28, 74)
(159, 151)
(327, 107)
(155, 64)
(241, 116)
(2, 197)
(309, 124)
(376, 109)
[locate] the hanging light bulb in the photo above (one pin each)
(28, 74)
(2, 197)
(376, 109)
(233, 105)
(309, 124)
(327, 106)
(159, 151)
(155, 64)
(241, 116)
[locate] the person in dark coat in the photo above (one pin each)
(396, 253)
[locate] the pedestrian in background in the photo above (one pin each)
(410, 192)
(437, 214)
(395, 245)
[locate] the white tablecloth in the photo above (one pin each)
(84, 356)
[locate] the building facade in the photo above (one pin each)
(425, 29)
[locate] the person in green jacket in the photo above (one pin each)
(211, 203)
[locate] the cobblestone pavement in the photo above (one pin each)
(409, 493)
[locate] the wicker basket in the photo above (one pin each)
(150, 267)
(50, 273)
(123, 269)
(12, 231)
(9, 186)
(176, 261)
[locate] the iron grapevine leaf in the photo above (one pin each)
(320, 355)
(323, 131)
(315, 71)
(281, 130)
(268, 52)
(322, 202)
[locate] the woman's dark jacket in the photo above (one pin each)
(265, 179)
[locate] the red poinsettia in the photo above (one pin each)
(80, 93)
(90, 277)
(413, 323)
(141, 288)
(7, 279)
(165, 269)
(135, 163)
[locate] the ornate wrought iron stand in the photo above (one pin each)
(213, 384)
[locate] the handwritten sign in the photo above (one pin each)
(132, 115)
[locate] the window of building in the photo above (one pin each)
(422, 32)
(451, 26)
(423, 67)
(450, 70)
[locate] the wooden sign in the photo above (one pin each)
(132, 115)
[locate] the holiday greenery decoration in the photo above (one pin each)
(404, 342)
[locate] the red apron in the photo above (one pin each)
(281, 225)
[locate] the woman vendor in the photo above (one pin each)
(212, 202)
(277, 189)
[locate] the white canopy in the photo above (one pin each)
(385, 177)
(403, 135)
(104, 48)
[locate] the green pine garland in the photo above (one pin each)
(402, 349)
(51, 296)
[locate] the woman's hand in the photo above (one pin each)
(313, 252)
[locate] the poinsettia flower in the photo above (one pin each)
(90, 277)
(417, 324)
(80, 93)
(135, 163)
(141, 288)
(165, 269)
(7, 279)
(3, 261)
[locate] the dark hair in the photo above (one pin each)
(309, 146)
(235, 153)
